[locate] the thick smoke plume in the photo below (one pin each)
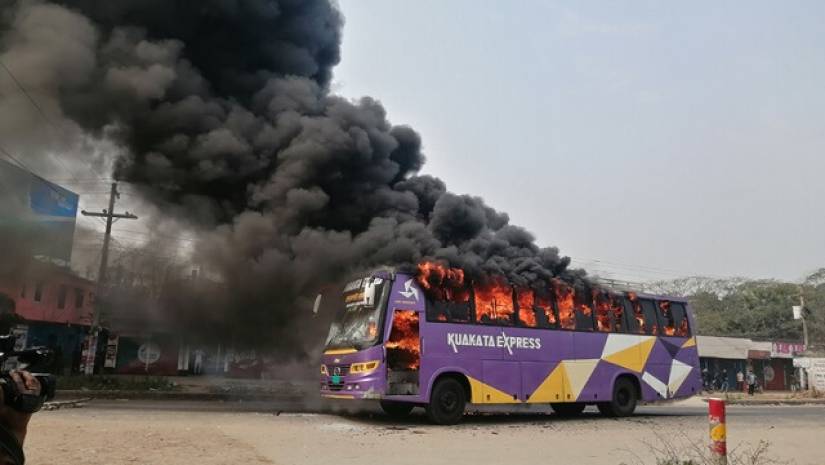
(226, 119)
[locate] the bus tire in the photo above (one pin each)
(569, 409)
(396, 409)
(447, 401)
(624, 399)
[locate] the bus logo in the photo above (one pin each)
(409, 290)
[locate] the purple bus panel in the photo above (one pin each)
(504, 364)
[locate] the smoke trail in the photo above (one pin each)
(224, 110)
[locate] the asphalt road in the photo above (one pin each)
(691, 408)
(212, 433)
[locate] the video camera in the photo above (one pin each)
(32, 359)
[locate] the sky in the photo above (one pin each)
(647, 140)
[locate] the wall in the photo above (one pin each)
(23, 289)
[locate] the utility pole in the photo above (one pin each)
(804, 325)
(111, 217)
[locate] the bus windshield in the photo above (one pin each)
(357, 323)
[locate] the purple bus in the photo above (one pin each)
(430, 340)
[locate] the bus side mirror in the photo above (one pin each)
(317, 305)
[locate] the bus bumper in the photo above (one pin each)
(353, 387)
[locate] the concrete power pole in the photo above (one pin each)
(111, 217)
(804, 325)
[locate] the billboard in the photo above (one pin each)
(39, 214)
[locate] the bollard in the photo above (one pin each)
(718, 435)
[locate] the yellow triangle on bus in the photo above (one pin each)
(488, 394)
(552, 388)
(633, 358)
(689, 343)
(578, 373)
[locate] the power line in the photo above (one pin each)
(43, 115)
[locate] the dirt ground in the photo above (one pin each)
(175, 434)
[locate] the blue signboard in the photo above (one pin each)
(52, 200)
(37, 212)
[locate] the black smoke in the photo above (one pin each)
(225, 114)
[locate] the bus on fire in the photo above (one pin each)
(431, 339)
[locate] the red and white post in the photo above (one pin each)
(718, 434)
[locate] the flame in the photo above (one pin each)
(442, 283)
(683, 327)
(669, 329)
(546, 305)
(404, 341)
(637, 312)
(494, 301)
(603, 307)
(618, 314)
(565, 297)
(526, 300)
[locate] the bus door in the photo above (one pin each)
(403, 348)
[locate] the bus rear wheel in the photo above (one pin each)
(624, 400)
(447, 401)
(568, 409)
(396, 409)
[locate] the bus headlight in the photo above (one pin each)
(324, 370)
(364, 367)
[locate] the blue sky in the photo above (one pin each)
(661, 139)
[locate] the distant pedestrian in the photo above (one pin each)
(723, 386)
(198, 368)
(751, 382)
(740, 381)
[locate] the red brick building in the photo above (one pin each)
(50, 293)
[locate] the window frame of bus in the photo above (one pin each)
(655, 310)
(551, 295)
(514, 319)
(629, 323)
(662, 318)
(576, 312)
(472, 311)
(685, 317)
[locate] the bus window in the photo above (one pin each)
(535, 308)
(564, 304)
(526, 299)
(680, 319)
(448, 304)
(617, 313)
(604, 320)
(584, 311)
(494, 302)
(666, 322)
(543, 308)
(634, 320)
(651, 323)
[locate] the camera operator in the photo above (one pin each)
(14, 423)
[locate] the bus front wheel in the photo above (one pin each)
(396, 409)
(447, 401)
(624, 400)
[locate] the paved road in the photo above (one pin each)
(212, 433)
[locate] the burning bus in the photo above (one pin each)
(436, 340)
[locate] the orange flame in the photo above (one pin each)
(603, 320)
(494, 302)
(565, 298)
(404, 343)
(668, 329)
(526, 300)
(442, 283)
